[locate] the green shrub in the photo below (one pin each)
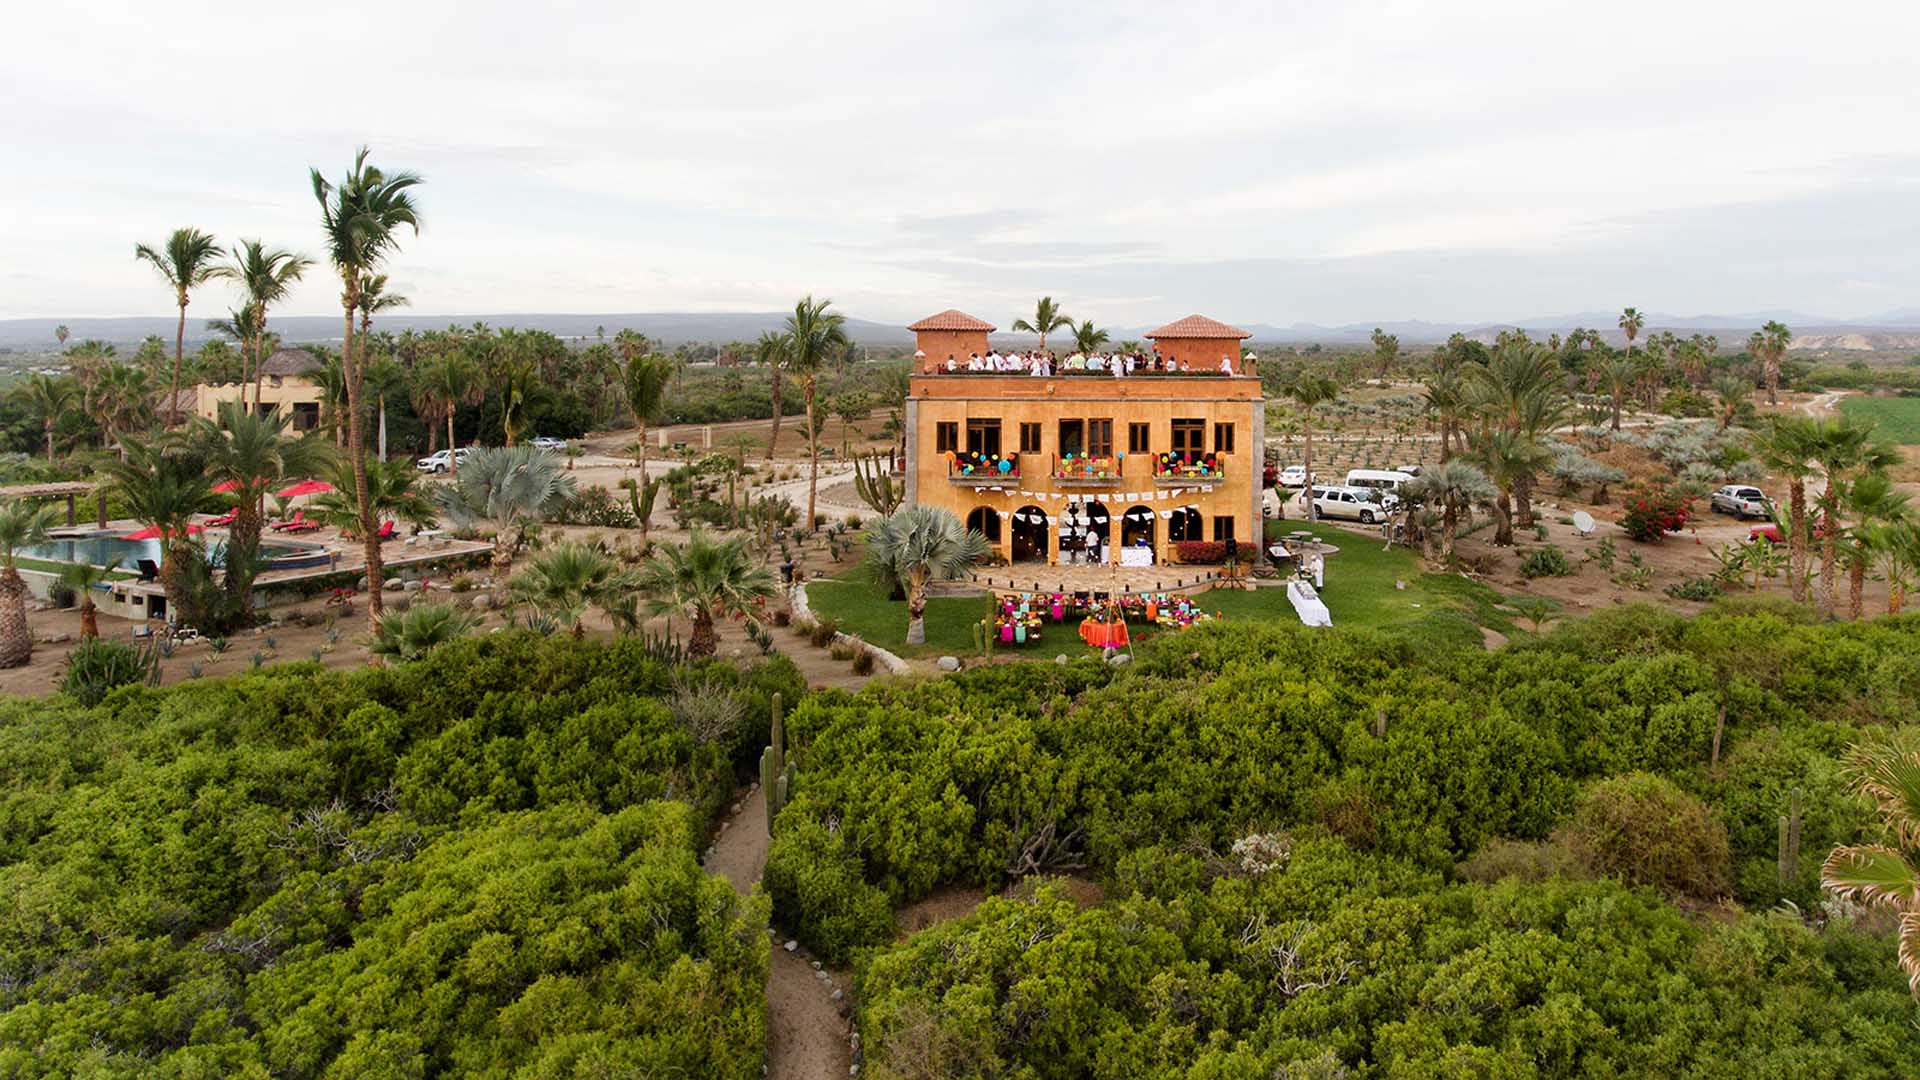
(1546, 561)
(96, 667)
(1642, 829)
(1694, 588)
(815, 883)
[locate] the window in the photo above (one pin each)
(1073, 437)
(946, 437)
(1223, 438)
(1139, 438)
(1029, 438)
(1189, 438)
(1099, 438)
(983, 437)
(1222, 528)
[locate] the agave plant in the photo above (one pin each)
(417, 631)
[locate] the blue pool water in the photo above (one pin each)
(103, 550)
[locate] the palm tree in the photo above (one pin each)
(1047, 318)
(1510, 459)
(61, 333)
(509, 488)
(188, 260)
(1875, 505)
(1785, 447)
(1770, 345)
(771, 350)
(704, 580)
(440, 387)
(123, 400)
(1446, 398)
(1630, 323)
(163, 484)
(917, 544)
(395, 492)
(362, 219)
(47, 399)
(519, 383)
(1733, 392)
(1454, 486)
(814, 336)
(266, 277)
(84, 579)
(21, 525)
(1310, 392)
(566, 579)
(412, 634)
(1895, 546)
(1844, 449)
(1883, 874)
(1088, 338)
(375, 298)
(644, 381)
(254, 454)
(1616, 375)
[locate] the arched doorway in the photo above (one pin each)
(1184, 525)
(1136, 527)
(1086, 532)
(1029, 534)
(985, 521)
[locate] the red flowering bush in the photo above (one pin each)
(1653, 515)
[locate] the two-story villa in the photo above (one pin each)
(1074, 466)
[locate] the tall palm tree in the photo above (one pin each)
(1510, 458)
(1616, 375)
(644, 381)
(566, 579)
(188, 260)
(394, 492)
(1310, 391)
(1786, 448)
(1630, 323)
(265, 277)
(916, 545)
(21, 525)
(771, 349)
(1445, 397)
(374, 298)
(1047, 318)
(1454, 486)
(440, 387)
(703, 581)
(1770, 345)
(85, 579)
(1844, 450)
(815, 335)
(1733, 392)
(61, 333)
(47, 399)
(1874, 504)
(1088, 338)
(254, 453)
(1883, 875)
(509, 488)
(163, 484)
(519, 378)
(362, 218)
(123, 400)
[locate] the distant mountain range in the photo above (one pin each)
(1887, 330)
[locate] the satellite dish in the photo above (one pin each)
(1583, 523)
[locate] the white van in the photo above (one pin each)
(1379, 479)
(1352, 503)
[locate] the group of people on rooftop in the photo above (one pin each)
(1044, 363)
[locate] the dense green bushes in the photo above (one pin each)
(481, 862)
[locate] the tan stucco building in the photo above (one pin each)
(1057, 468)
(287, 385)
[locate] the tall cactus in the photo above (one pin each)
(1790, 840)
(775, 770)
(875, 484)
(642, 497)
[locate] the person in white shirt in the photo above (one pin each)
(1226, 364)
(952, 364)
(973, 361)
(993, 360)
(1119, 365)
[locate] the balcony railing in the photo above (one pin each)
(1081, 471)
(1183, 468)
(971, 468)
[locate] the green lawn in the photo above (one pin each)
(1896, 418)
(1444, 609)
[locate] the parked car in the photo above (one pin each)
(1364, 505)
(548, 442)
(1742, 501)
(442, 460)
(1293, 476)
(1771, 532)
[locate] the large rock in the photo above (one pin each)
(410, 586)
(482, 601)
(948, 663)
(398, 602)
(394, 584)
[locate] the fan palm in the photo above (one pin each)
(1841, 450)
(1630, 323)
(1509, 458)
(266, 277)
(1875, 505)
(84, 579)
(916, 545)
(1895, 546)
(566, 579)
(361, 219)
(188, 260)
(21, 525)
(440, 387)
(1454, 486)
(1445, 397)
(1770, 343)
(163, 484)
(61, 333)
(1786, 447)
(254, 454)
(1047, 318)
(1887, 771)
(704, 580)
(771, 349)
(395, 492)
(1310, 392)
(1616, 375)
(1733, 392)
(644, 381)
(815, 336)
(47, 399)
(1088, 338)
(412, 634)
(509, 488)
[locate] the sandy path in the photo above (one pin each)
(806, 1037)
(1824, 405)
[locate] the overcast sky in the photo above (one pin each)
(1273, 162)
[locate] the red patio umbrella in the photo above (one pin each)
(306, 487)
(225, 486)
(154, 532)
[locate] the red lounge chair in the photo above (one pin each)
(386, 531)
(300, 526)
(224, 519)
(296, 521)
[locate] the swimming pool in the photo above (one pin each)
(102, 549)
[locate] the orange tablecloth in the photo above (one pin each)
(1101, 635)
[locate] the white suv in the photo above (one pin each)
(1293, 476)
(1742, 501)
(439, 461)
(1353, 503)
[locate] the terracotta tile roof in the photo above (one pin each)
(1199, 326)
(290, 362)
(953, 319)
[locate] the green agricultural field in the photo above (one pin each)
(1896, 418)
